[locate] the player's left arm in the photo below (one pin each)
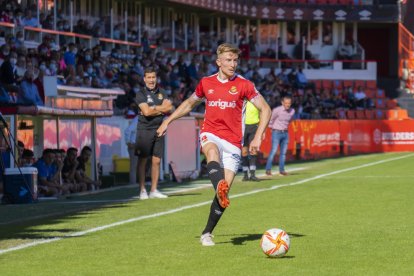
(264, 112)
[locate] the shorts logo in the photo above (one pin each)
(203, 139)
(235, 157)
(233, 90)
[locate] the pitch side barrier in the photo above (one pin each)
(316, 139)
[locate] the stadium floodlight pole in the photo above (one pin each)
(185, 36)
(38, 13)
(197, 31)
(139, 23)
(71, 16)
(54, 14)
(126, 26)
(303, 47)
(173, 31)
(112, 21)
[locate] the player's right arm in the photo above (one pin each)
(183, 109)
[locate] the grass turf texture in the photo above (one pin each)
(356, 222)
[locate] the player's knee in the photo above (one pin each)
(245, 151)
(212, 153)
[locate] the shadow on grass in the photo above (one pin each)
(281, 258)
(184, 194)
(41, 220)
(34, 234)
(241, 239)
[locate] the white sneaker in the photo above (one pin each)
(143, 195)
(206, 240)
(157, 194)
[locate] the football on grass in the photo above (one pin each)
(275, 242)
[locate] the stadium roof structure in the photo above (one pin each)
(302, 11)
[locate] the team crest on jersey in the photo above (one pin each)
(160, 96)
(233, 90)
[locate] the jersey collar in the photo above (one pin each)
(226, 80)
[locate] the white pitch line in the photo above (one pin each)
(176, 210)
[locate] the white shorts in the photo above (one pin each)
(229, 153)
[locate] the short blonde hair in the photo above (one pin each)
(227, 47)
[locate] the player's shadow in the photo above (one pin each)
(243, 238)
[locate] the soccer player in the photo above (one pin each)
(249, 160)
(225, 94)
(153, 104)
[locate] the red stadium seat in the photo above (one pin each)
(371, 84)
(379, 114)
(391, 104)
(291, 1)
(338, 84)
(348, 83)
(345, 2)
(333, 2)
(327, 84)
(359, 83)
(360, 114)
(321, 2)
(369, 114)
(341, 114)
(350, 114)
(380, 93)
(379, 103)
(302, 1)
(318, 84)
(371, 93)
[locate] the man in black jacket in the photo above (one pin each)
(8, 73)
(153, 104)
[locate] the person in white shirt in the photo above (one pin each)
(361, 98)
(130, 139)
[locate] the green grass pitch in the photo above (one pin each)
(345, 216)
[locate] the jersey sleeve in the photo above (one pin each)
(250, 91)
(140, 98)
(199, 91)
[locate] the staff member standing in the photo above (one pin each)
(279, 123)
(153, 104)
(251, 123)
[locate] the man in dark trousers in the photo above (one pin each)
(153, 104)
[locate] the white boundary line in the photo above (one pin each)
(176, 210)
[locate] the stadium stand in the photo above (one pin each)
(128, 42)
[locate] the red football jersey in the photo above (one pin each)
(225, 100)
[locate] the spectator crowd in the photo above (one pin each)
(22, 68)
